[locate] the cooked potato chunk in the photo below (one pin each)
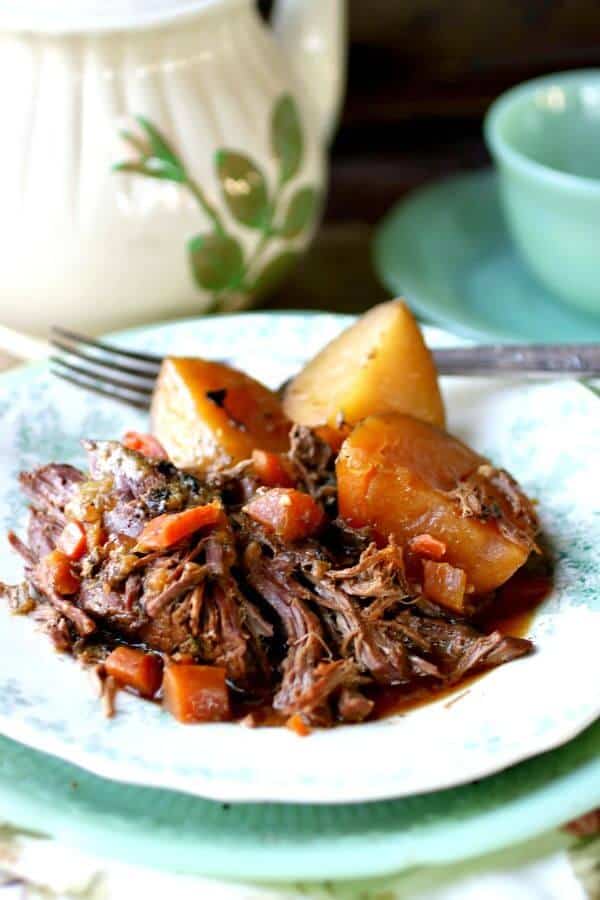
(378, 365)
(406, 478)
(206, 412)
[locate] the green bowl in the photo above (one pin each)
(544, 136)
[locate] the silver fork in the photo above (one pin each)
(129, 375)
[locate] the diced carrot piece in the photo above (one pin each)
(297, 724)
(445, 584)
(335, 437)
(288, 512)
(426, 545)
(55, 572)
(270, 469)
(166, 530)
(196, 693)
(136, 669)
(73, 541)
(146, 444)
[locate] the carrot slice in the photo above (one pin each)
(169, 529)
(146, 444)
(270, 469)
(288, 512)
(335, 437)
(445, 584)
(196, 693)
(55, 573)
(426, 545)
(136, 669)
(73, 540)
(297, 724)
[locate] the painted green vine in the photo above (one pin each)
(217, 259)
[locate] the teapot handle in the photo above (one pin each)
(313, 36)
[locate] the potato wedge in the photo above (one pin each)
(378, 365)
(405, 477)
(206, 412)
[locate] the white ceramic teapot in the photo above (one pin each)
(159, 157)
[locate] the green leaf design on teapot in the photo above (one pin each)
(218, 261)
(244, 188)
(286, 137)
(300, 212)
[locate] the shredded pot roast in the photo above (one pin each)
(267, 585)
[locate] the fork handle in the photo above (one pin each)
(535, 359)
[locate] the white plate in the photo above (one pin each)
(547, 434)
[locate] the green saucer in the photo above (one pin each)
(276, 842)
(448, 251)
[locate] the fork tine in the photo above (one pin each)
(145, 378)
(100, 377)
(139, 401)
(150, 360)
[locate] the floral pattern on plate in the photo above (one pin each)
(545, 433)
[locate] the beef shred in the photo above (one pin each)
(313, 627)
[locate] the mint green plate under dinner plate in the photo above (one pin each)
(275, 842)
(448, 251)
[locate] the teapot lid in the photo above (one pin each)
(69, 16)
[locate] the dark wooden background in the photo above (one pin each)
(421, 74)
